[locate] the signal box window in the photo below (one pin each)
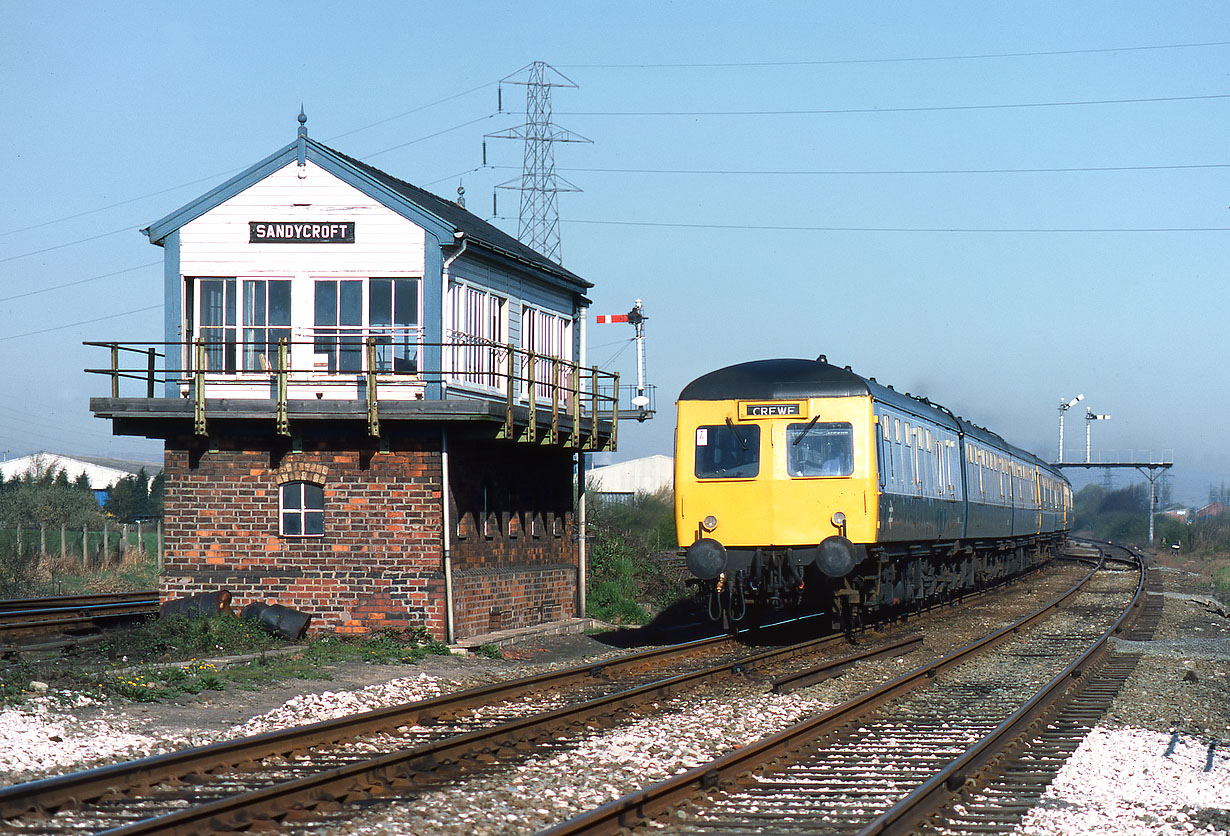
(303, 510)
(820, 449)
(725, 451)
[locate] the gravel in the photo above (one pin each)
(1133, 781)
(1155, 764)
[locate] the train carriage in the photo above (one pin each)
(799, 482)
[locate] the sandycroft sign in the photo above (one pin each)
(300, 232)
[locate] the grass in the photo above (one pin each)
(28, 577)
(627, 580)
(168, 660)
(1221, 580)
(1213, 568)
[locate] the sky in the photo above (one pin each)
(997, 206)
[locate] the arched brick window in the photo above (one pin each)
(302, 507)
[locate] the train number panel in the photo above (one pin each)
(802, 484)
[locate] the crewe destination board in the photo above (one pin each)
(773, 409)
(281, 232)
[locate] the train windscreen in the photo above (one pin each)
(727, 451)
(818, 449)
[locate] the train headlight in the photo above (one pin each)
(839, 518)
(709, 523)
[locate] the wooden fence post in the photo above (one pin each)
(63, 540)
(42, 539)
(85, 545)
(19, 539)
(140, 539)
(106, 538)
(159, 546)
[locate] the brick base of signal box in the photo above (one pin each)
(380, 561)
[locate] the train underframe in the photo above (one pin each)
(889, 578)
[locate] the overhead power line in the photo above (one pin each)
(898, 60)
(232, 171)
(82, 322)
(79, 281)
(67, 244)
(912, 109)
(860, 172)
(412, 111)
(940, 229)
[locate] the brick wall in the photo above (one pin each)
(380, 560)
(514, 544)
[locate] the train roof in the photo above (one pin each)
(786, 378)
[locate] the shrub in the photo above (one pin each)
(626, 542)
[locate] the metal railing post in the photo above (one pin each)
(593, 408)
(555, 400)
(532, 399)
(373, 412)
(115, 370)
(283, 416)
(613, 443)
(574, 437)
(508, 415)
(149, 378)
(198, 389)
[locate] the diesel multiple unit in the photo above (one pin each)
(799, 482)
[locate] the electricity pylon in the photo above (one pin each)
(538, 224)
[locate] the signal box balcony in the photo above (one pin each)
(348, 381)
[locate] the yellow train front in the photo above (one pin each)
(799, 483)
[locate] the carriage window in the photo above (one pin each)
(820, 449)
(727, 451)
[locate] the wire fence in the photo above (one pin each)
(95, 548)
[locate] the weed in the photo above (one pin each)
(489, 651)
(626, 572)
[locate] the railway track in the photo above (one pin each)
(317, 766)
(320, 771)
(33, 622)
(986, 726)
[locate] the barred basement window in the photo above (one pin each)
(303, 510)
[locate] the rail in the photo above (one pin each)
(544, 397)
(907, 815)
(22, 618)
(650, 802)
(76, 789)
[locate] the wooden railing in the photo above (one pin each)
(545, 398)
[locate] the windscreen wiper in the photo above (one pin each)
(731, 424)
(806, 430)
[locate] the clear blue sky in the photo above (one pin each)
(779, 179)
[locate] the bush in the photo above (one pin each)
(626, 573)
(226, 634)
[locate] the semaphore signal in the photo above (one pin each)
(635, 317)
